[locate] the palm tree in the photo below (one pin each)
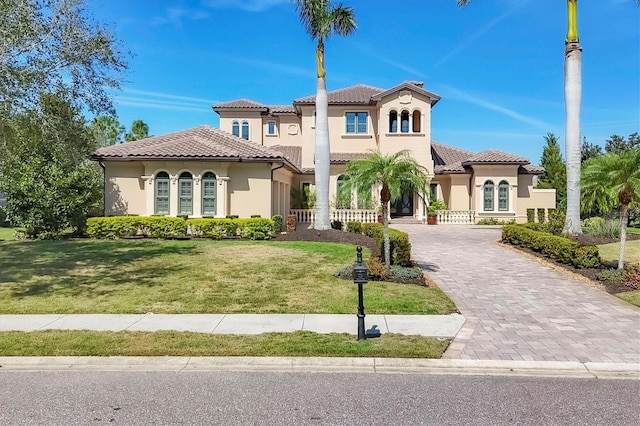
(612, 180)
(321, 20)
(394, 174)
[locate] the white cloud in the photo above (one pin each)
(175, 16)
(273, 66)
(166, 101)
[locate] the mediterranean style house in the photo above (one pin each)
(260, 162)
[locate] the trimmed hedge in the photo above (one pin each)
(354, 226)
(399, 241)
(171, 227)
(561, 249)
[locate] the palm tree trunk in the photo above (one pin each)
(387, 242)
(322, 147)
(624, 217)
(573, 95)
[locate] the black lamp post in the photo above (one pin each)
(360, 277)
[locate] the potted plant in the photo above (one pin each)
(432, 211)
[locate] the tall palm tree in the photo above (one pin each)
(394, 174)
(612, 180)
(321, 19)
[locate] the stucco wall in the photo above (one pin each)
(249, 189)
(252, 117)
(495, 173)
(459, 193)
(124, 188)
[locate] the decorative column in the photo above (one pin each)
(221, 196)
(197, 196)
(149, 194)
(173, 195)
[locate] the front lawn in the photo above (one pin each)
(139, 276)
(173, 343)
(632, 297)
(609, 252)
(8, 233)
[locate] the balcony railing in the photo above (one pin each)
(456, 217)
(344, 216)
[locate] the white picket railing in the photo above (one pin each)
(456, 217)
(344, 216)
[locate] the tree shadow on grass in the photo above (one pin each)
(77, 268)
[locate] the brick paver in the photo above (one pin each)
(519, 309)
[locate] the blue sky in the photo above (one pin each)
(498, 64)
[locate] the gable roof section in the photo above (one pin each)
(358, 94)
(198, 143)
(492, 156)
(243, 104)
(291, 153)
(450, 160)
(282, 109)
(408, 85)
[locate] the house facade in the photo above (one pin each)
(263, 155)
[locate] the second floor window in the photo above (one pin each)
(356, 122)
(245, 130)
(271, 128)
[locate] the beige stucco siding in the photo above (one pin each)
(252, 117)
(124, 188)
(459, 193)
(249, 189)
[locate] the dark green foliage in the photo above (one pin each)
(255, 228)
(232, 216)
(555, 222)
(112, 228)
(278, 221)
(255, 216)
(589, 150)
(406, 274)
(354, 227)
(560, 249)
(139, 130)
(531, 215)
(541, 216)
(555, 175)
(3, 217)
(494, 221)
(618, 144)
(162, 226)
(212, 228)
(399, 241)
(106, 130)
(336, 224)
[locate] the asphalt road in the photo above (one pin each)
(270, 398)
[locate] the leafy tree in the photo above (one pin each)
(48, 45)
(47, 176)
(617, 144)
(613, 180)
(139, 130)
(107, 130)
(555, 175)
(589, 150)
(394, 174)
(321, 20)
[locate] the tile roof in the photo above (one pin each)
(282, 109)
(416, 86)
(203, 142)
(291, 153)
(240, 104)
(345, 157)
(491, 156)
(530, 169)
(358, 94)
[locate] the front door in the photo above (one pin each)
(403, 206)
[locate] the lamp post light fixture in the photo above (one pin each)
(360, 277)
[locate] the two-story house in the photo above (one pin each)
(261, 152)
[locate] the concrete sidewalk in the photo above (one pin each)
(442, 326)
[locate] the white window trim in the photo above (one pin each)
(356, 133)
(275, 128)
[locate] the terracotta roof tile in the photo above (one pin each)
(446, 155)
(345, 157)
(291, 153)
(240, 104)
(530, 169)
(195, 143)
(415, 86)
(495, 157)
(358, 94)
(282, 109)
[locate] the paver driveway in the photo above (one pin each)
(517, 308)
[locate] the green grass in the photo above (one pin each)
(632, 297)
(8, 234)
(609, 252)
(172, 343)
(139, 276)
(633, 231)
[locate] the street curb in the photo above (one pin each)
(318, 364)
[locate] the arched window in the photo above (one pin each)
(245, 130)
(235, 128)
(185, 194)
(416, 121)
(393, 121)
(209, 194)
(162, 193)
(488, 196)
(404, 122)
(503, 196)
(343, 193)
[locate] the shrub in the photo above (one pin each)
(212, 228)
(354, 227)
(530, 214)
(345, 273)
(494, 221)
(377, 270)
(599, 227)
(162, 226)
(399, 241)
(336, 224)
(406, 274)
(112, 227)
(555, 222)
(541, 216)
(232, 216)
(611, 275)
(278, 221)
(560, 249)
(254, 228)
(632, 278)
(253, 216)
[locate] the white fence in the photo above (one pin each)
(344, 216)
(456, 217)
